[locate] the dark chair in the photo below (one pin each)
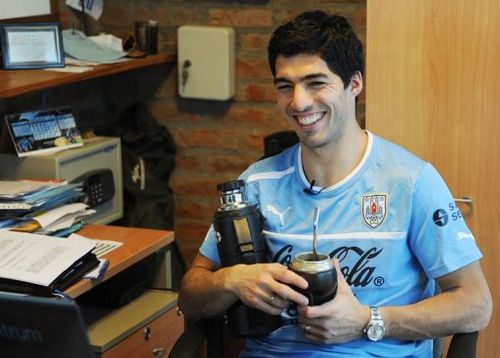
(277, 142)
(463, 345)
(189, 344)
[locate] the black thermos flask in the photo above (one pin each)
(238, 229)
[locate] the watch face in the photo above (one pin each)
(375, 332)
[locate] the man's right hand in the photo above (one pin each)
(265, 286)
(207, 290)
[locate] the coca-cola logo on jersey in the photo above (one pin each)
(359, 273)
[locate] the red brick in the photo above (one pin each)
(254, 42)
(228, 164)
(167, 111)
(115, 14)
(359, 21)
(253, 68)
(196, 137)
(142, 12)
(254, 140)
(222, 138)
(195, 185)
(240, 17)
(257, 92)
(195, 163)
(256, 115)
(191, 236)
(180, 15)
(190, 208)
(192, 232)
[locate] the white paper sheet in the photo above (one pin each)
(15, 188)
(38, 259)
(59, 212)
(102, 247)
(32, 46)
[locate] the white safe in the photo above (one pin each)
(97, 163)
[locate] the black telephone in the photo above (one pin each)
(98, 186)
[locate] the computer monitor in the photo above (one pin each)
(41, 327)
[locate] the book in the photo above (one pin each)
(43, 131)
(40, 264)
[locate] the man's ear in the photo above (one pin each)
(356, 83)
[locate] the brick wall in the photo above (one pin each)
(215, 140)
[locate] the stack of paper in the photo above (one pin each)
(46, 207)
(59, 218)
(79, 46)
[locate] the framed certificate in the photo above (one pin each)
(31, 45)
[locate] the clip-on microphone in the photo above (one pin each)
(311, 191)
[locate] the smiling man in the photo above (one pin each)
(378, 206)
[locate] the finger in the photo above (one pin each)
(270, 308)
(340, 277)
(278, 301)
(284, 275)
(318, 311)
(289, 294)
(309, 331)
(309, 312)
(265, 301)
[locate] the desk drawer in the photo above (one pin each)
(146, 325)
(155, 339)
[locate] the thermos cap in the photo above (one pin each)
(231, 185)
(232, 197)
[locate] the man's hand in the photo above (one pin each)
(265, 286)
(339, 320)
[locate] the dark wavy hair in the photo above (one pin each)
(318, 33)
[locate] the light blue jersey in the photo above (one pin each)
(392, 223)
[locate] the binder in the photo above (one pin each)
(39, 264)
(63, 281)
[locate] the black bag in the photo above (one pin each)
(148, 159)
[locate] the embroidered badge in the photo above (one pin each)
(374, 208)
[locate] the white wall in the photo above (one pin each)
(21, 8)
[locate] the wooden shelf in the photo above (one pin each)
(19, 82)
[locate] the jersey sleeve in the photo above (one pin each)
(438, 234)
(208, 247)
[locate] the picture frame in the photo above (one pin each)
(31, 45)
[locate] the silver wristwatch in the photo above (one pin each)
(375, 328)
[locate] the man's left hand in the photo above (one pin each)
(340, 320)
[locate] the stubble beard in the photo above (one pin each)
(330, 139)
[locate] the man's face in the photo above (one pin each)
(313, 99)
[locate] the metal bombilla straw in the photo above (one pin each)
(315, 255)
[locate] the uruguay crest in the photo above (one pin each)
(374, 208)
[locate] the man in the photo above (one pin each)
(387, 219)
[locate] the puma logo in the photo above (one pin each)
(276, 212)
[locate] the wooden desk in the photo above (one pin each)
(138, 243)
(148, 324)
